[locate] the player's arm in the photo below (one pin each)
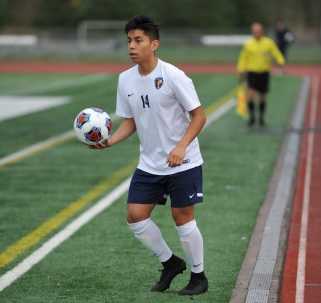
(198, 120)
(277, 55)
(126, 128)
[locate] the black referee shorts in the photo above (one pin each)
(258, 81)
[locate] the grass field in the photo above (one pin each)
(103, 262)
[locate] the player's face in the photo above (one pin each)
(257, 30)
(140, 46)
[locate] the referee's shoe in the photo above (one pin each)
(172, 268)
(198, 284)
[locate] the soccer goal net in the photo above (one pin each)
(105, 34)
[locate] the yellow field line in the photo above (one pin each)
(34, 237)
(215, 105)
(55, 222)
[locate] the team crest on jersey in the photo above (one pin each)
(159, 82)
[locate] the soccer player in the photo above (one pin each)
(254, 64)
(159, 102)
(283, 37)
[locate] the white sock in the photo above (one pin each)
(192, 242)
(149, 234)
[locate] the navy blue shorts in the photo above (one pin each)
(183, 188)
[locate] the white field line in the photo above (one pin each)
(220, 111)
(56, 140)
(63, 235)
(25, 265)
(61, 84)
(300, 280)
(38, 147)
(16, 106)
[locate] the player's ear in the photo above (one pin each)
(155, 45)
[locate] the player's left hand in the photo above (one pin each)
(101, 145)
(176, 156)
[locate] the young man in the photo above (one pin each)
(159, 101)
(283, 37)
(255, 63)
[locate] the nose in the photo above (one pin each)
(131, 45)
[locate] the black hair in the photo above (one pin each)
(145, 24)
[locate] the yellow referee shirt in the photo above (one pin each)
(257, 55)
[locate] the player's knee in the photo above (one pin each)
(182, 215)
(135, 215)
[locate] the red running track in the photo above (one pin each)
(65, 67)
(302, 270)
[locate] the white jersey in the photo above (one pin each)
(159, 103)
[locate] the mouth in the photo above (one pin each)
(133, 55)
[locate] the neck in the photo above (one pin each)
(147, 66)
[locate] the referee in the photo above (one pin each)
(254, 65)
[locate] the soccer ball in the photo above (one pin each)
(92, 125)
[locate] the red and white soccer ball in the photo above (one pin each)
(92, 125)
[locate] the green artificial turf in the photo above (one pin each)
(103, 262)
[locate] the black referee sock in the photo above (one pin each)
(262, 109)
(251, 109)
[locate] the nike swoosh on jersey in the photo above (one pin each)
(129, 95)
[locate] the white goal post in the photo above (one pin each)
(86, 29)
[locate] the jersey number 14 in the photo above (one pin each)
(145, 101)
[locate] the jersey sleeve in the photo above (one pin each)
(122, 107)
(184, 91)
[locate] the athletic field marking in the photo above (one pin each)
(61, 84)
(300, 280)
(41, 146)
(24, 266)
(214, 106)
(13, 106)
(69, 135)
(21, 268)
(53, 223)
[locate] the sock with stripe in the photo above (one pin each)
(192, 243)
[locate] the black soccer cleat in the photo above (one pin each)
(198, 284)
(172, 268)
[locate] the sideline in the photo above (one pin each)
(254, 282)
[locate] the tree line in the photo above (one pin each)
(203, 14)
